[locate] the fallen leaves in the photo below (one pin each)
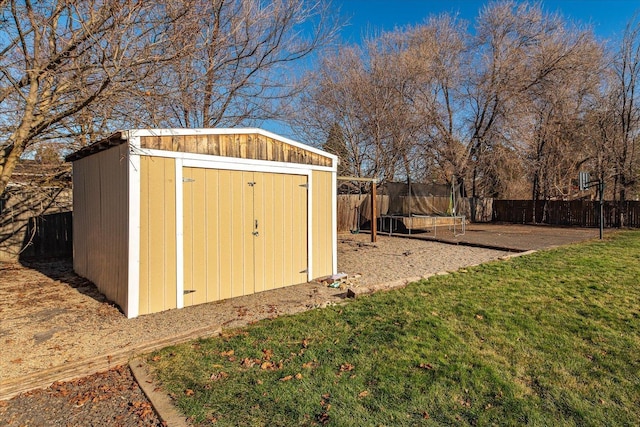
(229, 354)
(82, 400)
(248, 362)
(426, 366)
(297, 376)
(363, 393)
(346, 367)
(267, 354)
(143, 410)
(218, 376)
(466, 403)
(323, 416)
(189, 392)
(310, 365)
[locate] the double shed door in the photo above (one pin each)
(244, 232)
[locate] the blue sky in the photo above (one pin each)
(607, 17)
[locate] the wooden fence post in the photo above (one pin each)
(374, 216)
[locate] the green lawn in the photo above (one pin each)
(551, 338)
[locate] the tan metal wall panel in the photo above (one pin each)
(189, 191)
(200, 236)
(101, 221)
(235, 204)
(239, 231)
(286, 251)
(157, 234)
(225, 215)
(280, 207)
(216, 252)
(222, 256)
(143, 287)
(213, 250)
(274, 240)
(198, 266)
(263, 208)
(299, 226)
(170, 248)
(248, 220)
(281, 246)
(322, 192)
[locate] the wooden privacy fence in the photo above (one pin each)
(354, 210)
(49, 236)
(580, 213)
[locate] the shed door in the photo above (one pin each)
(244, 232)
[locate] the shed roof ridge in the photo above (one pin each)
(128, 135)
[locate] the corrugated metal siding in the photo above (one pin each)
(100, 221)
(322, 194)
(157, 235)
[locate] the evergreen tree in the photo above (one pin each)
(337, 145)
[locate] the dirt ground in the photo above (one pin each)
(50, 317)
(512, 237)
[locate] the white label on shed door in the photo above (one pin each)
(244, 232)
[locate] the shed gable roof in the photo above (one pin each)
(250, 143)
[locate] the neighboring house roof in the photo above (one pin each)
(32, 172)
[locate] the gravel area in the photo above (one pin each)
(49, 317)
(110, 398)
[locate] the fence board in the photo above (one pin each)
(49, 236)
(580, 213)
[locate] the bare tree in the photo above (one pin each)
(60, 60)
(536, 77)
(511, 110)
(343, 93)
(436, 60)
(72, 70)
(569, 66)
(626, 112)
(243, 62)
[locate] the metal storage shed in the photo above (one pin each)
(168, 218)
